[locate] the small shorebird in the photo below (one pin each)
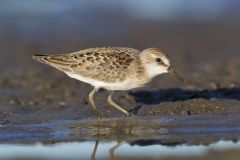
(111, 68)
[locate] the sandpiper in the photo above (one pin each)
(111, 68)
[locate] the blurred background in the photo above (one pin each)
(191, 31)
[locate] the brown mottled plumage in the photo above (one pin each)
(112, 68)
(110, 64)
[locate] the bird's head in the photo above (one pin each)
(156, 62)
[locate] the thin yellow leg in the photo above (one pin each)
(90, 96)
(110, 101)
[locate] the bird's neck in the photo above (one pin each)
(152, 70)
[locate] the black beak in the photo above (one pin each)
(171, 70)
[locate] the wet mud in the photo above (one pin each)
(42, 105)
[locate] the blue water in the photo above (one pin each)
(84, 150)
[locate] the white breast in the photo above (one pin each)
(125, 85)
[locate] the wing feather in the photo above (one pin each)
(104, 64)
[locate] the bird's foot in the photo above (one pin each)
(128, 114)
(97, 113)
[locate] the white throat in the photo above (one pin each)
(154, 70)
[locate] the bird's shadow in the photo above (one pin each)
(176, 94)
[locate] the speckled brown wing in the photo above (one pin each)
(59, 61)
(105, 64)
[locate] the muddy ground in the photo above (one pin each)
(37, 102)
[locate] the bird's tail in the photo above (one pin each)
(40, 58)
(55, 61)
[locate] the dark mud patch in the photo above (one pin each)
(188, 102)
(177, 94)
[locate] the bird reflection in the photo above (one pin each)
(93, 155)
(139, 142)
(111, 150)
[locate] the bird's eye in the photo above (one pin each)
(158, 60)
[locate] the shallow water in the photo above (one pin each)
(108, 150)
(131, 137)
(196, 129)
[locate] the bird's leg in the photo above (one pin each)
(90, 96)
(110, 101)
